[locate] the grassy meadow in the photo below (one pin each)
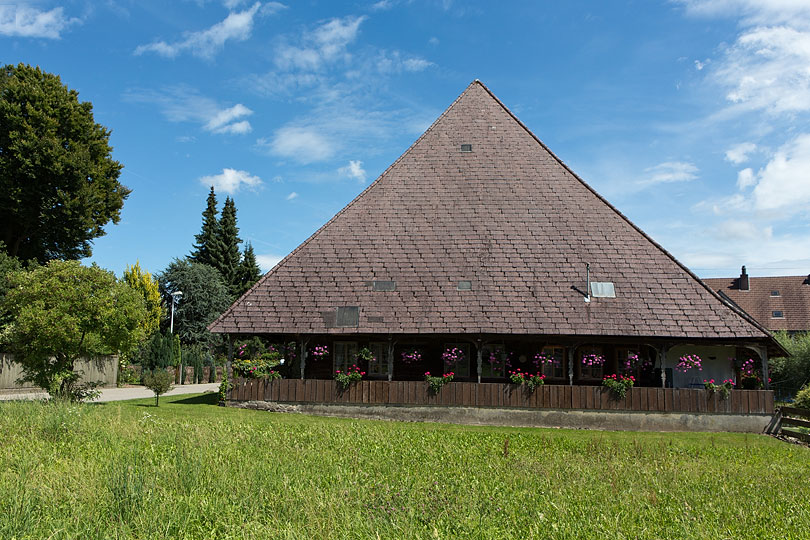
(190, 469)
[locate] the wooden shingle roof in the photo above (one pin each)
(507, 216)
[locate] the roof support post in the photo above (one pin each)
(390, 358)
(303, 356)
(571, 365)
(763, 355)
(479, 356)
(662, 353)
(228, 375)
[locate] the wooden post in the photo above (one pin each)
(303, 356)
(571, 365)
(479, 357)
(228, 375)
(763, 355)
(663, 355)
(390, 359)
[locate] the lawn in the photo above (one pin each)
(190, 469)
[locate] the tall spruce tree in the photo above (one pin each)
(207, 248)
(249, 272)
(229, 240)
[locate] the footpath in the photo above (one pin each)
(115, 394)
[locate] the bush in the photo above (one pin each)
(159, 382)
(792, 373)
(802, 400)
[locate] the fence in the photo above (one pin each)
(791, 416)
(468, 394)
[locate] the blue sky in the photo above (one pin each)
(691, 116)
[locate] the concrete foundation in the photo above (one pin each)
(572, 419)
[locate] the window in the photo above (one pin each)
(466, 148)
(378, 366)
(345, 355)
(493, 361)
(461, 365)
(386, 286)
(594, 365)
(464, 285)
(554, 367)
(775, 293)
(778, 315)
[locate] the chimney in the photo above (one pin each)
(743, 283)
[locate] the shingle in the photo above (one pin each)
(508, 216)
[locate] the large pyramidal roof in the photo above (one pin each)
(507, 216)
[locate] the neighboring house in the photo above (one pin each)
(478, 238)
(777, 303)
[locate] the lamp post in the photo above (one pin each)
(175, 298)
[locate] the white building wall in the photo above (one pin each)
(716, 362)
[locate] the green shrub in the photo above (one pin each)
(803, 398)
(158, 381)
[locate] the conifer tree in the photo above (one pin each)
(207, 248)
(249, 272)
(229, 240)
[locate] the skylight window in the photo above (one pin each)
(464, 285)
(775, 293)
(466, 148)
(778, 315)
(348, 316)
(603, 289)
(384, 286)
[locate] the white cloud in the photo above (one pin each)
(324, 44)
(739, 152)
(27, 21)
(393, 62)
(184, 104)
(783, 185)
(735, 229)
(353, 170)
(237, 26)
(382, 5)
(699, 65)
(292, 196)
(302, 144)
(267, 261)
(752, 12)
(230, 181)
(745, 178)
(767, 69)
(670, 171)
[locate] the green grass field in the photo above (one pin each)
(190, 469)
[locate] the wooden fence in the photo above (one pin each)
(793, 417)
(468, 394)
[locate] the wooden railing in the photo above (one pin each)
(793, 417)
(468, 394)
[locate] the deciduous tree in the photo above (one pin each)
(65, 311)
(147, 286)
(58, 182)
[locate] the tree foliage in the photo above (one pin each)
(58, 182)
(206, 249)
(147, 286)
(793, 372)
(158, 381)
(229, 243)
(249, 272)
(65, 311)
(205, 297)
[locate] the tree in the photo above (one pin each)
(249, 272)
(65, 311)
(229, 243)
(147, 286)
(791, 373)
(58, 182)
(159, 382)
(205, 297)
(206, 248)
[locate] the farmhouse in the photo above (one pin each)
(777, 302)
(479, 252)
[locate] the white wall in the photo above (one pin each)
(715, 362)
(104, 370)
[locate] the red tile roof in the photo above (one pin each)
(793, 300)
(508, 216)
